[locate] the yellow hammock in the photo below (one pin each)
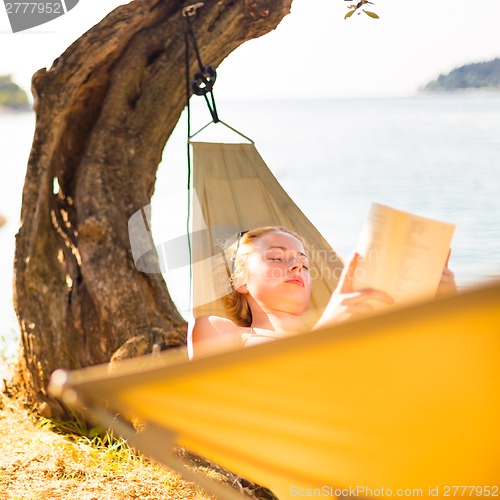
(404, 400)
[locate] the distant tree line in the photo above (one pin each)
(11, 95)
(482, 75)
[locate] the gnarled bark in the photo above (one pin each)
(104, 113)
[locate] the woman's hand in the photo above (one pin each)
(447, 284)
(346, 303)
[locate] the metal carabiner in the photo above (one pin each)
(204, 80)
(190, 10)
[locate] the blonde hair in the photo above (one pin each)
(236, 303)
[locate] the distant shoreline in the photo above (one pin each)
(8, 110)
(469, 90)
(478, 76)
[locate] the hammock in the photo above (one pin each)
(407, 399)
(404, 400)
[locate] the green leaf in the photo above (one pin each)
(349, 14)
(371, 14)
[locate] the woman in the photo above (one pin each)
(271, 291)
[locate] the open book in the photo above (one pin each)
(402, 254)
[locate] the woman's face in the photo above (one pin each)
(278, 273)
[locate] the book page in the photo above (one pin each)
(402, 254)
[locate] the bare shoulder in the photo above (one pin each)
(213, 326)
(213, 333)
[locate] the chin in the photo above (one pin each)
(297, 308)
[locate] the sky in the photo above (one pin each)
(313, 53)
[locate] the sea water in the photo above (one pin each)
(436, 155)
(16, 136)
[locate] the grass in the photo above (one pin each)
(37, 463)
(44, 459)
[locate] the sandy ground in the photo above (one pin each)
(36, 463)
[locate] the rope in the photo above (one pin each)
(204, 79)
(188, 218)
(201, 85)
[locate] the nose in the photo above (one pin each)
(295, 264)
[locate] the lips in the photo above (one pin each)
(296, 281)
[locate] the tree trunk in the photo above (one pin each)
(104, 113)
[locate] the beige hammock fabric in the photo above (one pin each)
(407, 400)
(236, 191)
